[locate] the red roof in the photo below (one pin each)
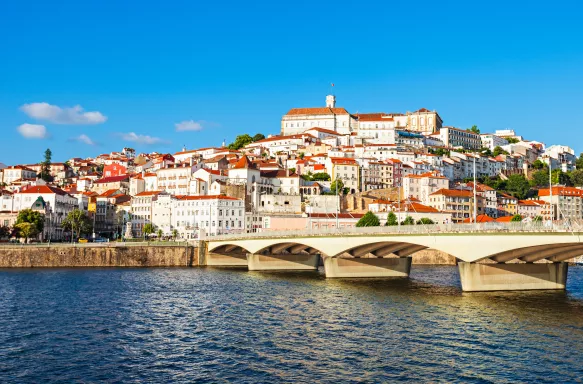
(207, 197)
(479, 219)
(149, 193)
(112, 179)
(453, 193)
(317, 111)
(243, 163)
(562, 191)
(328, 131)
(374, 117)
(340, 216)
(42, 189)
(504, 219)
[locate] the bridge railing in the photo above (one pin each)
(418, 229)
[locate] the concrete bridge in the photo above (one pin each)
(490, 256)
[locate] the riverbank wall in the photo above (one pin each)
(87, 256)
(98, 256)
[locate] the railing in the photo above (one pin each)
(418, 229)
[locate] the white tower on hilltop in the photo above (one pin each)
(330, 101)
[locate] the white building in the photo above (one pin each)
(423, 185)
(299, 120)
(197, 216)
(491, 141)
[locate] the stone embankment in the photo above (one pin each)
(97, 256)
(64, 256)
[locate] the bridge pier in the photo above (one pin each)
(233, 260)
(512, 277)
(336, 267)
(283, 262)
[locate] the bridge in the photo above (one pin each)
(490, 256)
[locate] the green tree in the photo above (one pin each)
(441, 152)
(174, 234)
(368, 220)
(408, 221)
(512, 140)
(4, 232)
(474, 129)
(35, 218)
(258, 136)
(45, 170)
(560, 177)
(149, 228)
(241, 141)
(486, 152)
(321, 176)
(577, 177)
(538, 164)
(336, 184)
(516, 218)
(425, 220)
(539, 179)
(537, 219)
(517, 186)
(579, 162)
(498, 151)
(301, 155)
(26, 230)
(77, 222)
(159, 234)
(391, 219)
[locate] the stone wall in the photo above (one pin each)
(433, 256)
(132, 256)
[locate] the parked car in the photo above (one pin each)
(100, 240)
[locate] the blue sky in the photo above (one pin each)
(236, 67)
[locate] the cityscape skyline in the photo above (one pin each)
(175, 86)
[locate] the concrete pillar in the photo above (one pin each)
(337, 267)
(283, 262)
(236, 260)
(512, 277)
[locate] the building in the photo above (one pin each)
(567, 202)
(199, 216)
(455, 137)
(424, 121)
(108, 223)
(345, 169)
(491, 141)
(458, 203)
(17, 172)
(142, 207)
(423, 185)
(299, 120)
(104, 184)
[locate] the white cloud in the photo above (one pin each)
(84, 139)
(58, 115)
(141, 139)
(189, 125)
(33, 131)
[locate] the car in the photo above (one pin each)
(83, 240)
(100, 240)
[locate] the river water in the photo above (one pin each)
(205, 325)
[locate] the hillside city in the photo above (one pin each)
(327, 168)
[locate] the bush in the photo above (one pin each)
(368, 220)
(425, 220)
(408, 221)
(391, 219)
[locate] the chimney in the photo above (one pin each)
(143, 173)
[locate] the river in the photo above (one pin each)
(207, 325)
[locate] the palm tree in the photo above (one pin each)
(148, 230)
(159, 233)
(174, 234)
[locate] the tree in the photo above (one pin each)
(441, 152)
(45, 170)
(4, 231)
(292, 171)
(512, 140)
(538, 219)
(425, 220)
(392, 219)
(516, 218)
(35, 218)
(159, 234)
(577, 177)
(486, 152)
(174, 234)
(474, 129)
(408, 221)
(337, 184)
(320, 176)
(560, 177)
(301, 155)
(517, 186)
(241, 141)
(539, 179)
(26, 230)
(258, 136)
(498, 151)
(579, 162)
(368, 220)
(538, 164)
(77, 222)
(148, 229)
